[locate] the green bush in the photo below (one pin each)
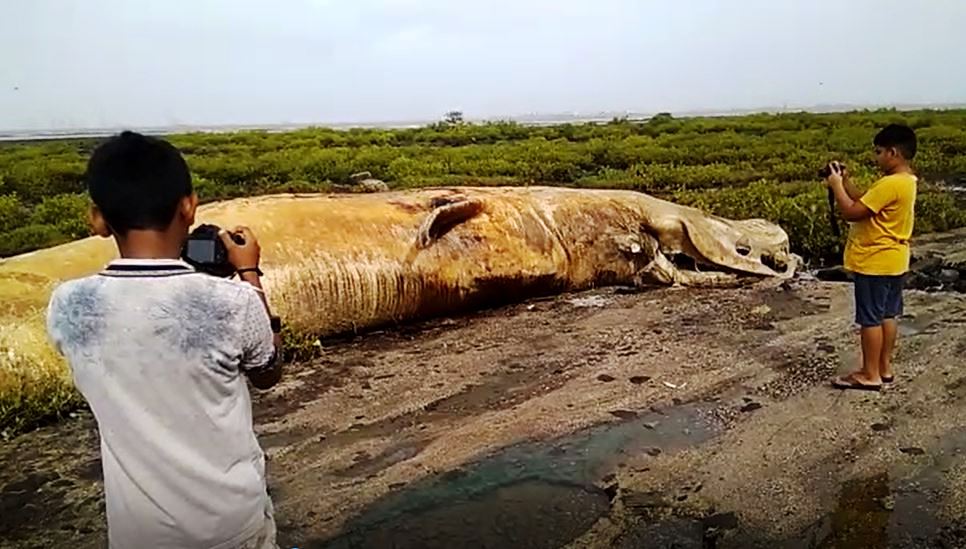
(67, 212)
(29, 238)
(13, 213)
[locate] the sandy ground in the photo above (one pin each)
(611, 418)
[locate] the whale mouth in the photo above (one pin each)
(778, 263)
(700, 250)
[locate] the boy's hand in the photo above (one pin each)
(836, 174)
(242, 256)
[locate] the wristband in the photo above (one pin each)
(255, 270)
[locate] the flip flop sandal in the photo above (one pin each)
(888, 379)
(849, 382)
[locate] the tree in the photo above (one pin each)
(453, 117)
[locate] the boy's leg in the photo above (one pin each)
(871, 353)
(890, 331)
(869, 311)
(890, 325)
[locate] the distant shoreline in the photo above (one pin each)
(527, 120)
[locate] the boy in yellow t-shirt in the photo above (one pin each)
(877, 252)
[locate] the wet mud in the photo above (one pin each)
(610, 418)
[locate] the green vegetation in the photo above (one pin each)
(746, 166)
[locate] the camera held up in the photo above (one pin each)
(823, 174)
(827, 169)
(205, 251)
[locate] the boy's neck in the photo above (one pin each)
(900, 168)
(149, 245)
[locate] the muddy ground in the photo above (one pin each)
(612, 418)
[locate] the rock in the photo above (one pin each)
(913, 451)
(605, 378)
(832, 274)
(879, 427)
(888, 503)
(644, 500)
(955, 259)
(373, 186)
(650, 425)
(639, 380)
(653, 452)
(612, 490)
(929, 264)
(623, 414)
(721, 521)
(751, 407)
(948, 276)
(628, 290)
(920, 281)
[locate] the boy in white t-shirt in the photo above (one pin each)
(161, 353)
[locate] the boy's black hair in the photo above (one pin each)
(137, 182)
(899, 136)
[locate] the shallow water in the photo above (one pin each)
(535, 494)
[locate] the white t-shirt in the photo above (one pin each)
(158, 351)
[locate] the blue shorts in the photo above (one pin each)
(877, 298)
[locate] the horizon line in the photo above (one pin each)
(534, 118)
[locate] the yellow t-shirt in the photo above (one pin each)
(879, 245)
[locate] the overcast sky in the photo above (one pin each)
(111, 63)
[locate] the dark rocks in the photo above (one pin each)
(948, 276)
(934, 267)
(880, 427)
(605, 378)
(751, 407)
(640, 380)
(644, 500)
(721, 521)
(623, 414)
(913, 451)
(832, 274)
(937, 271)
(611, 486)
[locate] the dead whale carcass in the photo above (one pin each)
(336, 263)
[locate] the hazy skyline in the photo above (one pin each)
(114, 63)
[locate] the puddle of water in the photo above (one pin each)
(534, 494)
(875, 512)
(914, 326)
(529, 514)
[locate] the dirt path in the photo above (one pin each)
(607, 418)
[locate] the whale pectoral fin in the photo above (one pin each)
(442, 219)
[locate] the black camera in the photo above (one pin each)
(827, 170)
(205, 251)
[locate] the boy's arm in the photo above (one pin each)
(850, 188)
(261, 363)
(854, 204)
(852, 209)
(261, 360)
